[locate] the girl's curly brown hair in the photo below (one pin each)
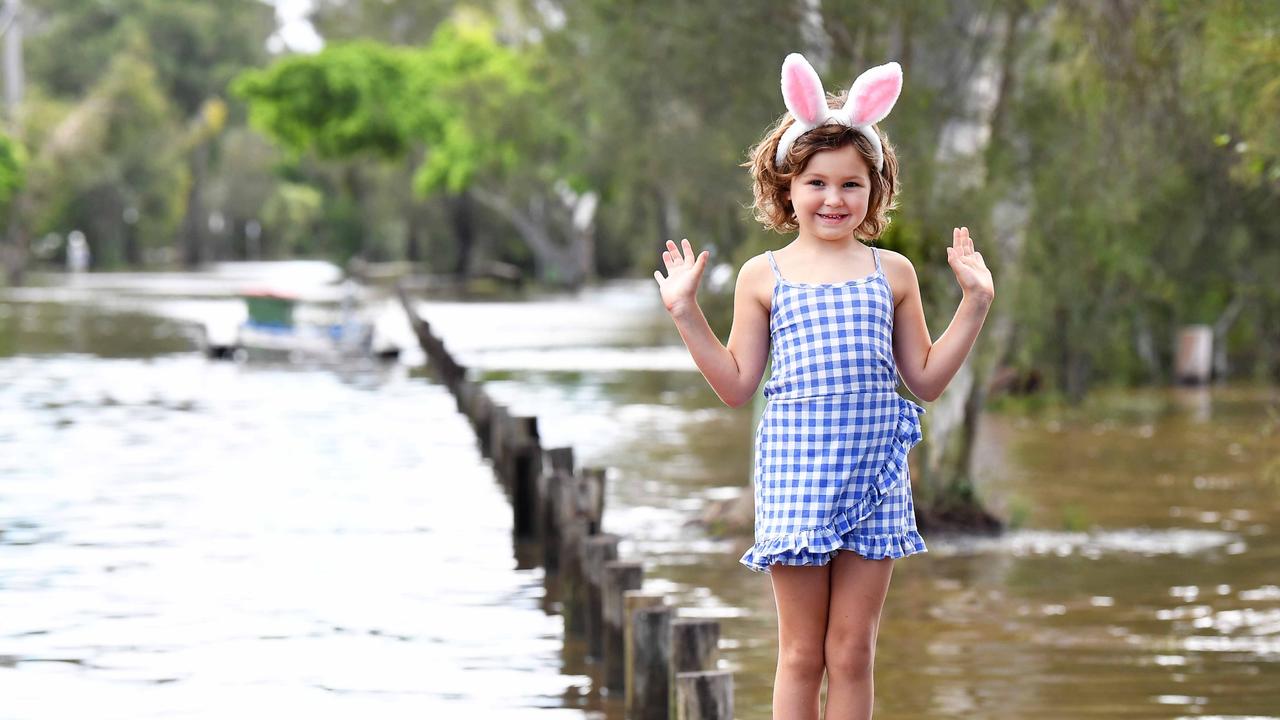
(770, 184)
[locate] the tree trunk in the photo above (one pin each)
(463, 231)
(413, 241)
(1145, 343)
(355, 187)
(948, 495)
(191, 249)
(581, 252)
(1221, 327)
(14, 249)
(563, 265)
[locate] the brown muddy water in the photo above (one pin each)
(180, 537)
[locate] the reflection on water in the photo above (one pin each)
(222, 534)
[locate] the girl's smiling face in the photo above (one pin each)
(831, 194)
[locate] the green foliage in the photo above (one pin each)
(290, 215)
(113, 167)
(346, 100)
(198, 46)
(464, 97)
(13, 168)
(474, 102)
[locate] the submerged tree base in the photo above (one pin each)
(955, 517)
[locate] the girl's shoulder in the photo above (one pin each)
(756, 264)
(756, 278)
(900, 273)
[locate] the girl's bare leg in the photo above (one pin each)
(801, 594)
(858, 589)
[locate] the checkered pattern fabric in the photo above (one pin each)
(831, 448)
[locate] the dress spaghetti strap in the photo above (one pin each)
(772, 264)
(875, 254)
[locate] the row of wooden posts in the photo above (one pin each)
(665, 665)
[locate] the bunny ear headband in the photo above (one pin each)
(870, 100)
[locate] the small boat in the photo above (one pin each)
(283, 324)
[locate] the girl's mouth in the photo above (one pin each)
(832, 218)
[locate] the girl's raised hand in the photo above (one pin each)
(971, 272)
(684, 272)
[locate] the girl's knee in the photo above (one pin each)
(801, 660)
(851, 659)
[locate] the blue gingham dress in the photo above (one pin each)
(830, 469)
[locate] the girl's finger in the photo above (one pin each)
(675, 251)
(657, 275)
(688, 250)
(667, 260)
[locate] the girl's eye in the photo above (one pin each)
(815, 183)
(852, 184)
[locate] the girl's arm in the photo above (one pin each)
(734, 372)
(927, 366)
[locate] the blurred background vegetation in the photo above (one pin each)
(1118, 162)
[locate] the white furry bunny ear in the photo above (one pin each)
(873, 94)
(870, 99)
(802, 92)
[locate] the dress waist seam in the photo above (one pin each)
(820, 396)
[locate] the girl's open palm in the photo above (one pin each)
(971, 272)
(684, 272)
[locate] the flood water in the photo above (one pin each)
(188, 538)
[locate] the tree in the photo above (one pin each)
(463, 108)
(195, 48)
(112, 167)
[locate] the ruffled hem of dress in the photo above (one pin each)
(817, 546)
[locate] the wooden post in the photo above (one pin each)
(484, 420)
(619, 577)
(706, 695)
(633, 601)
(573, 534)
(459, 374)
(556, 464)
(553, 460)
(600, 549)
(560, 458)
(526, 461)
(591, 497)
(464, 398)
(499, 428)
(695, 646)
(549, 527)
(652, 663)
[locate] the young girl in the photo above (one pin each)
(843, 320)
